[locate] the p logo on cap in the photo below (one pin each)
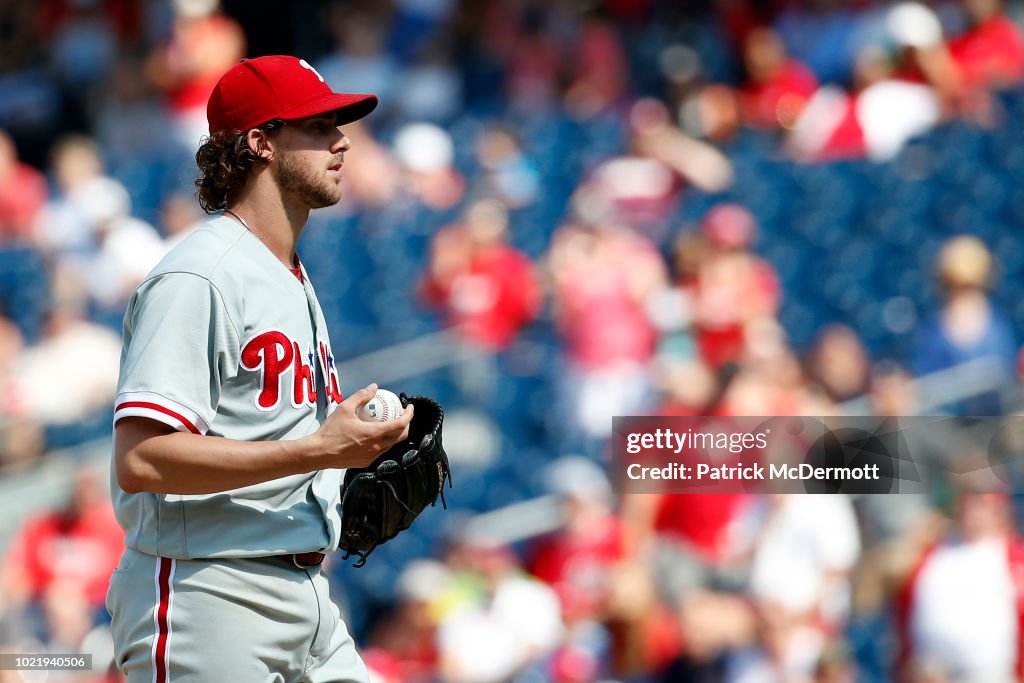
(307, 65)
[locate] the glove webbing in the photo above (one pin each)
(405, 400)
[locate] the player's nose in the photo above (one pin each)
(342, 144)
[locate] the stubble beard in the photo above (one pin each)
(312, 188)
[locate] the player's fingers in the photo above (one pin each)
(361, 397)
(398, 429)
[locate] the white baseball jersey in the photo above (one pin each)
(221, 339)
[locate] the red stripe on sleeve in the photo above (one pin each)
(160, 409)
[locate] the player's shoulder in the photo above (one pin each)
(203, 252)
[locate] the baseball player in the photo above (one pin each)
(231, 434)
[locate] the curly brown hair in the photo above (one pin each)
(224, 160)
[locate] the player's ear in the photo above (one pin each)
(259, 144)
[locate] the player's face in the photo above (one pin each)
(309, 158)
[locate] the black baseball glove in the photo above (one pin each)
(379, 501)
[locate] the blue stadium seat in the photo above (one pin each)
(24, 289)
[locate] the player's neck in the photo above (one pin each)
(275, 223)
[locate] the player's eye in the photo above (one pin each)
(320, 126)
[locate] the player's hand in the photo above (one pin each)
(348, 441)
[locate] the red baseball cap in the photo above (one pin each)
(257, 90)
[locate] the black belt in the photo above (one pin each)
(303, 560)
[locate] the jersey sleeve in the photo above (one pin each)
(180, 347)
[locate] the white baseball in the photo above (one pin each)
(383, 407)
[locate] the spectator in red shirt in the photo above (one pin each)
(696, 540)
(485, 287)
(734, 288)
(22, 194)
(599, 69)
(202, 45)
(76, 548)
(891, 104)
(991, 52)
(602, 278)
(778, 86)
(577, 560)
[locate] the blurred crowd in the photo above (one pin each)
(633, 253)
